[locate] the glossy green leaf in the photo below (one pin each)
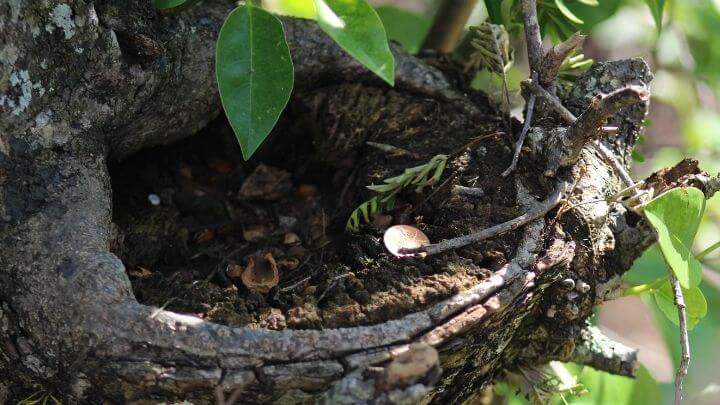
(656, 9)
(356, 27)
(254, 74)
(168, 4)
(294, 8)
(695, 304)
(405, 27)
(675, 216)
(566, 12)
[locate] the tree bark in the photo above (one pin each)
(85, 82)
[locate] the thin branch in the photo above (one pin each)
(535, 212)
(610, 159)
(555, 56)
(552, 101)
(600, 352)
(532, 34)
(602, 111)
(469, 191)
(448, 25)
(684, 342)
(523, 134)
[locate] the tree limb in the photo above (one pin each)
(602, 353)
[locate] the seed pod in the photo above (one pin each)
(401, 237)
(261, 274)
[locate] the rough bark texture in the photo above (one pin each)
(83, 82)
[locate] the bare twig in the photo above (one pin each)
(536, 212)
(448, 25)
(534, 49)
(554, 58)
(610, 159)
(532, 35)
(602, 107)
(552, 101)
(684, 343)
(602, 110)
(469, 191)
(521, 138)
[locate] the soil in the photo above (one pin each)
(211, 214)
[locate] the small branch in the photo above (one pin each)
(610, 159)
(532, 34)
(448, 25)
(536, 212)
(554, 58)
(469, 191)
(591, 122)
(588, 124)
(603, 107)
(684, 343)
(551, 101)
(602, 353)
(523, 134)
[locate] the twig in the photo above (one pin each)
(610, 158)
(534, 49)
(629, 94)
(532, 35)
(448, 25)
(536, 212)
(684, 343)
(469, 191)
(554, 58)
(521, 138)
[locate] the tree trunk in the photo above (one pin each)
(86, 82)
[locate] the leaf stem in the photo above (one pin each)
(643, 288)
(707, 251)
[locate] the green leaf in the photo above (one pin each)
(566, 12)
(656, 9)
(294, 8)
(695, 304)
(675, 216)
(355, 26)
(637, 156)
(168, 4)
(407, 28)
(254, 74)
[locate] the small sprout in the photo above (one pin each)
(261, 274)
(404, 237)
(291, 239)
(415, 363)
